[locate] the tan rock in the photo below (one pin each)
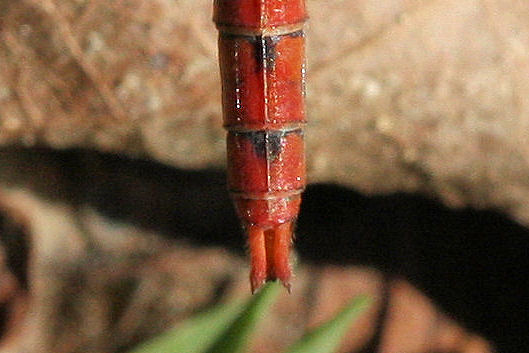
(409, 96)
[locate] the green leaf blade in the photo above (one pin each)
(195, 335)
(327, 337)
(236, 338)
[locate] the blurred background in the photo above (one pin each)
(114, 219)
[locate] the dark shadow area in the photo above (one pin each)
(472, 263)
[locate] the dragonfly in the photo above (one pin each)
(262, 66)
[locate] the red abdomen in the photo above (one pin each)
(261, 55)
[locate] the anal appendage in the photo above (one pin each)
(269, 254)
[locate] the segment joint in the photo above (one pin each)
(260, 32)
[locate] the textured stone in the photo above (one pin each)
(409, 96)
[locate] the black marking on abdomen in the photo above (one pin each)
(267, 49)
(268, 143)
(264, 47)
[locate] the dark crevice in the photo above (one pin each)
(14, 242)
(14, 248)
(381, 318)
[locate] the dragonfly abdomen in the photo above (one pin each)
(261, 55)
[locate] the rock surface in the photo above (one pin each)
(405, 96)
(408, 96)
(94, 260)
